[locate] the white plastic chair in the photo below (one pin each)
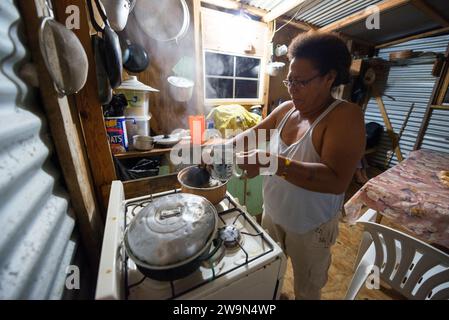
(369, 215)
(411, 267)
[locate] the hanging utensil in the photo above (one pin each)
(63, 55)
(156, 25)
(112, 50)
(135, 57)
(117, 12)
(104, 87)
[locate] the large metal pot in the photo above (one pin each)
(172, 235)
(214, 194)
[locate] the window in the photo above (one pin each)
(231, 77)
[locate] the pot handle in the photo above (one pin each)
(165, 214)
(211, 254)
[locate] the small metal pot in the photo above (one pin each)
(214, 194)
(172, 235)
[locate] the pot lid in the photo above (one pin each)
(170, 230)
(168, 139)
(133, 84)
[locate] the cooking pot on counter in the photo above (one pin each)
(172, 236)
(214, 192)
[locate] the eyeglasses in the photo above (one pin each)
(301, 83)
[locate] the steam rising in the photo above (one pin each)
(152, 19)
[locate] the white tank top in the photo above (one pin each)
(294, 208)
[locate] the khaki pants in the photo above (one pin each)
(310, 254)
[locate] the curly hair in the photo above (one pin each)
(327, 51)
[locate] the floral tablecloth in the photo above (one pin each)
(411, 195)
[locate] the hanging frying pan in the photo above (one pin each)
(135, 57)
(104, 87)
(112, 50)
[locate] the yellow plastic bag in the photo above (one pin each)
(234, 117)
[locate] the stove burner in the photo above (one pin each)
(230, 236)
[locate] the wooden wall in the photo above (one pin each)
(277, 89)
(168, 114)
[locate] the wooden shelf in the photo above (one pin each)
(159, 151)
(142, 154)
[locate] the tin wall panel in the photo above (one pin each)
(411, 84)
(36, 220)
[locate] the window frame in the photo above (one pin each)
(260, 79)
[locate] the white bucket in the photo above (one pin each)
(137, 126)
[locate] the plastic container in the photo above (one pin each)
(274, 68)
(197, 128)
(118, 137)
(181, 89)
(138, 126)
(137, 95)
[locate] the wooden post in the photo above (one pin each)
(198, 56)
(390, 130)
(439, 86)
(89, 108)
(68, 140)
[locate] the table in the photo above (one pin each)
(409, 194)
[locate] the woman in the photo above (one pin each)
(317, 144)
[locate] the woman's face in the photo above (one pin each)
(309, 89)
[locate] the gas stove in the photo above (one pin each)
(248, 264)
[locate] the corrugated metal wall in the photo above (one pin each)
(36, 224)
(411, 84)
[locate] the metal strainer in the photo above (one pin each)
(64, 56)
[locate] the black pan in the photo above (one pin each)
(113, 56)
(111, 47)
(136, 58)
(104, 88)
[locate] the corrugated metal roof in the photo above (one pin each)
(323, 12)
(412, 21)
(34, 207)
(317, 12)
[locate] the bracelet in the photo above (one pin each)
(284, 171)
